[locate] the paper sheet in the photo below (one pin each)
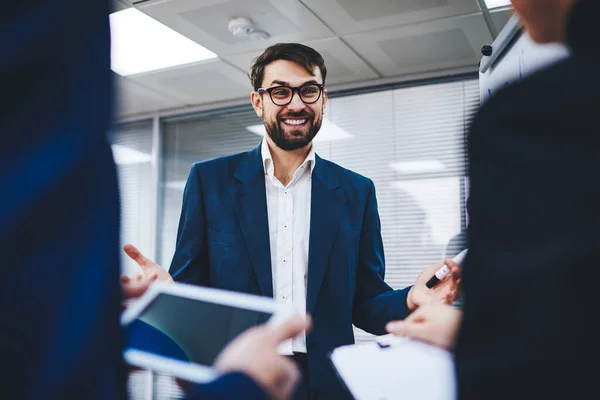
(406, 369)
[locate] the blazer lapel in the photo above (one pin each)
(250, 204)
(327, 205)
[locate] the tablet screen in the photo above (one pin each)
(188, 330)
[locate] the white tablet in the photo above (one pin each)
(179, 329)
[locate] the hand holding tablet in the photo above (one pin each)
(197, 333)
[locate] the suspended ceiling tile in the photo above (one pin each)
(343, 64)
(353, 16)
(133, 98)
(206, 22)
(430, 46)
(200, 83)
(501, 17)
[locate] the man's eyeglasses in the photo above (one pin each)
(282, 95)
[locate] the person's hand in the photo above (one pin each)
(136, 286)
(445, 292)
(255, 353)
(436, 324)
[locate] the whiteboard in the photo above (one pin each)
(514, 56)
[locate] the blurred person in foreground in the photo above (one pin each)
(59, 233)
(529, 278)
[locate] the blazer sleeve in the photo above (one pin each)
(189, 262)
(232, 386)
(375, 303)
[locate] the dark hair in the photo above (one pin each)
(300, 54)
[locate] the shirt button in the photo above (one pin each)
(284, 260)
(284, 192)
(285, 226)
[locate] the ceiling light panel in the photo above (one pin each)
(140, 44)
(496, 3)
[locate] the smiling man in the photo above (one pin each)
(280, 221)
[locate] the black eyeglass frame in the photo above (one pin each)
(294, 91)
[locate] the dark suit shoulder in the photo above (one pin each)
(223, 167)
(347, 176)
(219, 162)
(538, 138)
(560, 94)
(548, 116)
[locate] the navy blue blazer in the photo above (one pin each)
(223, 242)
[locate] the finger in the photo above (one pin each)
(453, 286)
(456, 293)
(410, 329)
(134, 290)
(456, 272)
(451, 263)
(453, 266)
(395, 327)
(289, 328)
(136, 255)
(419, 315)
(124, 279)
(148, 278)
(130, 291)
(290, 378)
(307, 323)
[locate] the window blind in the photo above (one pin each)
(186, 141)
(132, 150)
(411, 143)
(131, 145)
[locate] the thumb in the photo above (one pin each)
(290, 328)
(417, 317)
(406, 328)
(136, 255)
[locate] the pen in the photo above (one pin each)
(445, 271)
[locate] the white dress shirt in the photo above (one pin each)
(288, 209)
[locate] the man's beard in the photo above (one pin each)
(295, 139)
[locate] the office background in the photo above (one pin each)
(403, 88)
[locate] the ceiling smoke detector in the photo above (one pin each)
(244, 27)
(240, 26)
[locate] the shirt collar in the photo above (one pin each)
(268, 159)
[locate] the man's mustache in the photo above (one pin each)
(296, 115)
